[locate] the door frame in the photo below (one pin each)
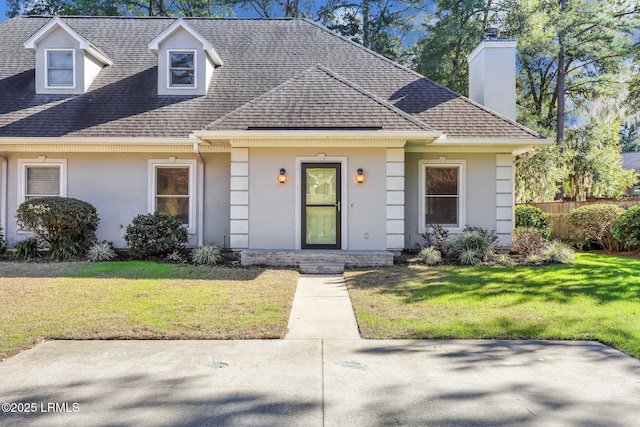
(321, 158)
(304, 205)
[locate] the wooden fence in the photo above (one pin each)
(559, 211)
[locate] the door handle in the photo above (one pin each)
(338, 206)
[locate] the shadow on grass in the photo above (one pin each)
(601, 277)
(127, 270)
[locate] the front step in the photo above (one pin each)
(283, 257)
(321, 268)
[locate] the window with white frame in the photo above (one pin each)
(442, 194)
(60, 68)
(182, 69)
(173, 189)
(41, 179)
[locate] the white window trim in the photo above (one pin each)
(462, 190)
(195, 69)
(46, 69)
(174, 163)
(23, 164)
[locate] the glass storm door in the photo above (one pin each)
(321, 205)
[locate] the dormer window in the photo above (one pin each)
(186, 61)
(66, 62)
(182, 71)
(60, 72)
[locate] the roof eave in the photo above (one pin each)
(226, 135)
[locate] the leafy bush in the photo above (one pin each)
(626, 228)
(68, 225)
(99, 252)
(207, 254)
(557, 251)
(592, 223)
(469, 257)
(527, 241)
(504, 259)
(436, 236)
(532, 217)
(155, 234)
(473, 243)
(175, 256)
(430, 255)
(28, 249)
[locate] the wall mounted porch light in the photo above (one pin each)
(360, 176)
(282, 178)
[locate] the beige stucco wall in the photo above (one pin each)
(117, 184)
(480, 189)
(272, 206)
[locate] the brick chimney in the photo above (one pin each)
(492, 73)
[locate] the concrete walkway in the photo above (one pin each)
(322, 310)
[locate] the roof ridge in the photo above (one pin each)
(375, 98)
(416, 74)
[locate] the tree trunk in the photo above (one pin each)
(560, 90)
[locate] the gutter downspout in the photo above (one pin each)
(200, 191)
(4, 174)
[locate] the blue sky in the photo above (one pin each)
(3, 10)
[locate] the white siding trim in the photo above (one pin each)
(239, 199)
(504, 198)
(395, 199)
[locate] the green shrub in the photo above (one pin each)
(175, 256)
(532, 217)
(430, 256)
(207, 254)
(100, 252)
(504, 259)
(28, 249)
(473, 242)
(527, 241)
(68, 225)
(469, 257)
(592, 223)
(557, 251)
(436, 236)
(155, 234)
(626, 228)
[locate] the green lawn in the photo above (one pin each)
(139, 300)
(596, 298)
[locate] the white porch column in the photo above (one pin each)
(239, 214)
(505, 179)
(395, 199)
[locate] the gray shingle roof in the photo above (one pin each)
(317, 98)
(258, 55)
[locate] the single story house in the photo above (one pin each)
(265, 136)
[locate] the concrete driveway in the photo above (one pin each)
(320, 383)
